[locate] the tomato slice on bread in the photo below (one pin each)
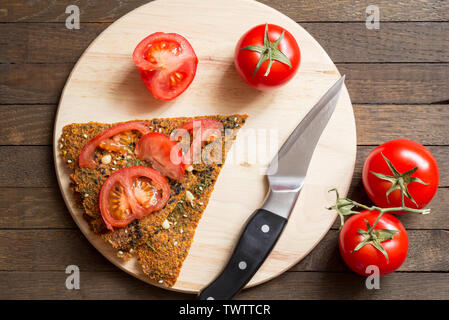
(163, 154)
(204, 123)
(86, 158)
(167, 64)
(203, 131)
(132, 193)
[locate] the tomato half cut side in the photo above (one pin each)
(132, 193)
(86, 158)
(162, 153)
(262, 61)
(167, 64)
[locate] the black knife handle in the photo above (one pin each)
(256, 242)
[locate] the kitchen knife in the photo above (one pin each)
(287, 173)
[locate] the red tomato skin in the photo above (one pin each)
(161, 92)
(358, 261)
(203, 124)
(125, 177)
(154, 77)
(86, 158)
(245, 60)
(404, 155)
(157, 148)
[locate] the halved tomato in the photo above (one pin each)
(103, 140)
(203, 131)
(132, 193)
(167, 64)
(163, 154)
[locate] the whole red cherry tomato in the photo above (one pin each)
(394, 242)
(400, 160)
(267, 56)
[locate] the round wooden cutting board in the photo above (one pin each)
(105, 86)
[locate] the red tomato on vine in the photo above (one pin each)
(400, 164)
(363, 242)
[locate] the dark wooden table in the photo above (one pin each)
(398, 79)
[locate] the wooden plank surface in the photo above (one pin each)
(389, 83)
(37, 122)
(26, 124)
(343, 10)
(323, 285)
(428, 251)
(32, 208)
(395, 77)
(289, 286)
(53, 43)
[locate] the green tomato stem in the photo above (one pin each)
(384, 210)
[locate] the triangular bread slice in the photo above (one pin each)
(162, 239)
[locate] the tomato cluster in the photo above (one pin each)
(399, 176)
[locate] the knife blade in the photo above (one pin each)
(286, 174)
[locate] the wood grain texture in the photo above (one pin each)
(25, 208)
(318, 285)
(390, 83)
(45, 42)
(32, 83)
(53, 250)
(353, 42)
(33, 167)
(354, 10)
(54, 10)
(343, 10)
(37, 122)
(94, 285)
(25, 172)
(26, 124)
(289, 286)
(393, 42)
(426, 124)
(396, 83)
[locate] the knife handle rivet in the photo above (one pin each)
(265, 228)
(242, 265)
